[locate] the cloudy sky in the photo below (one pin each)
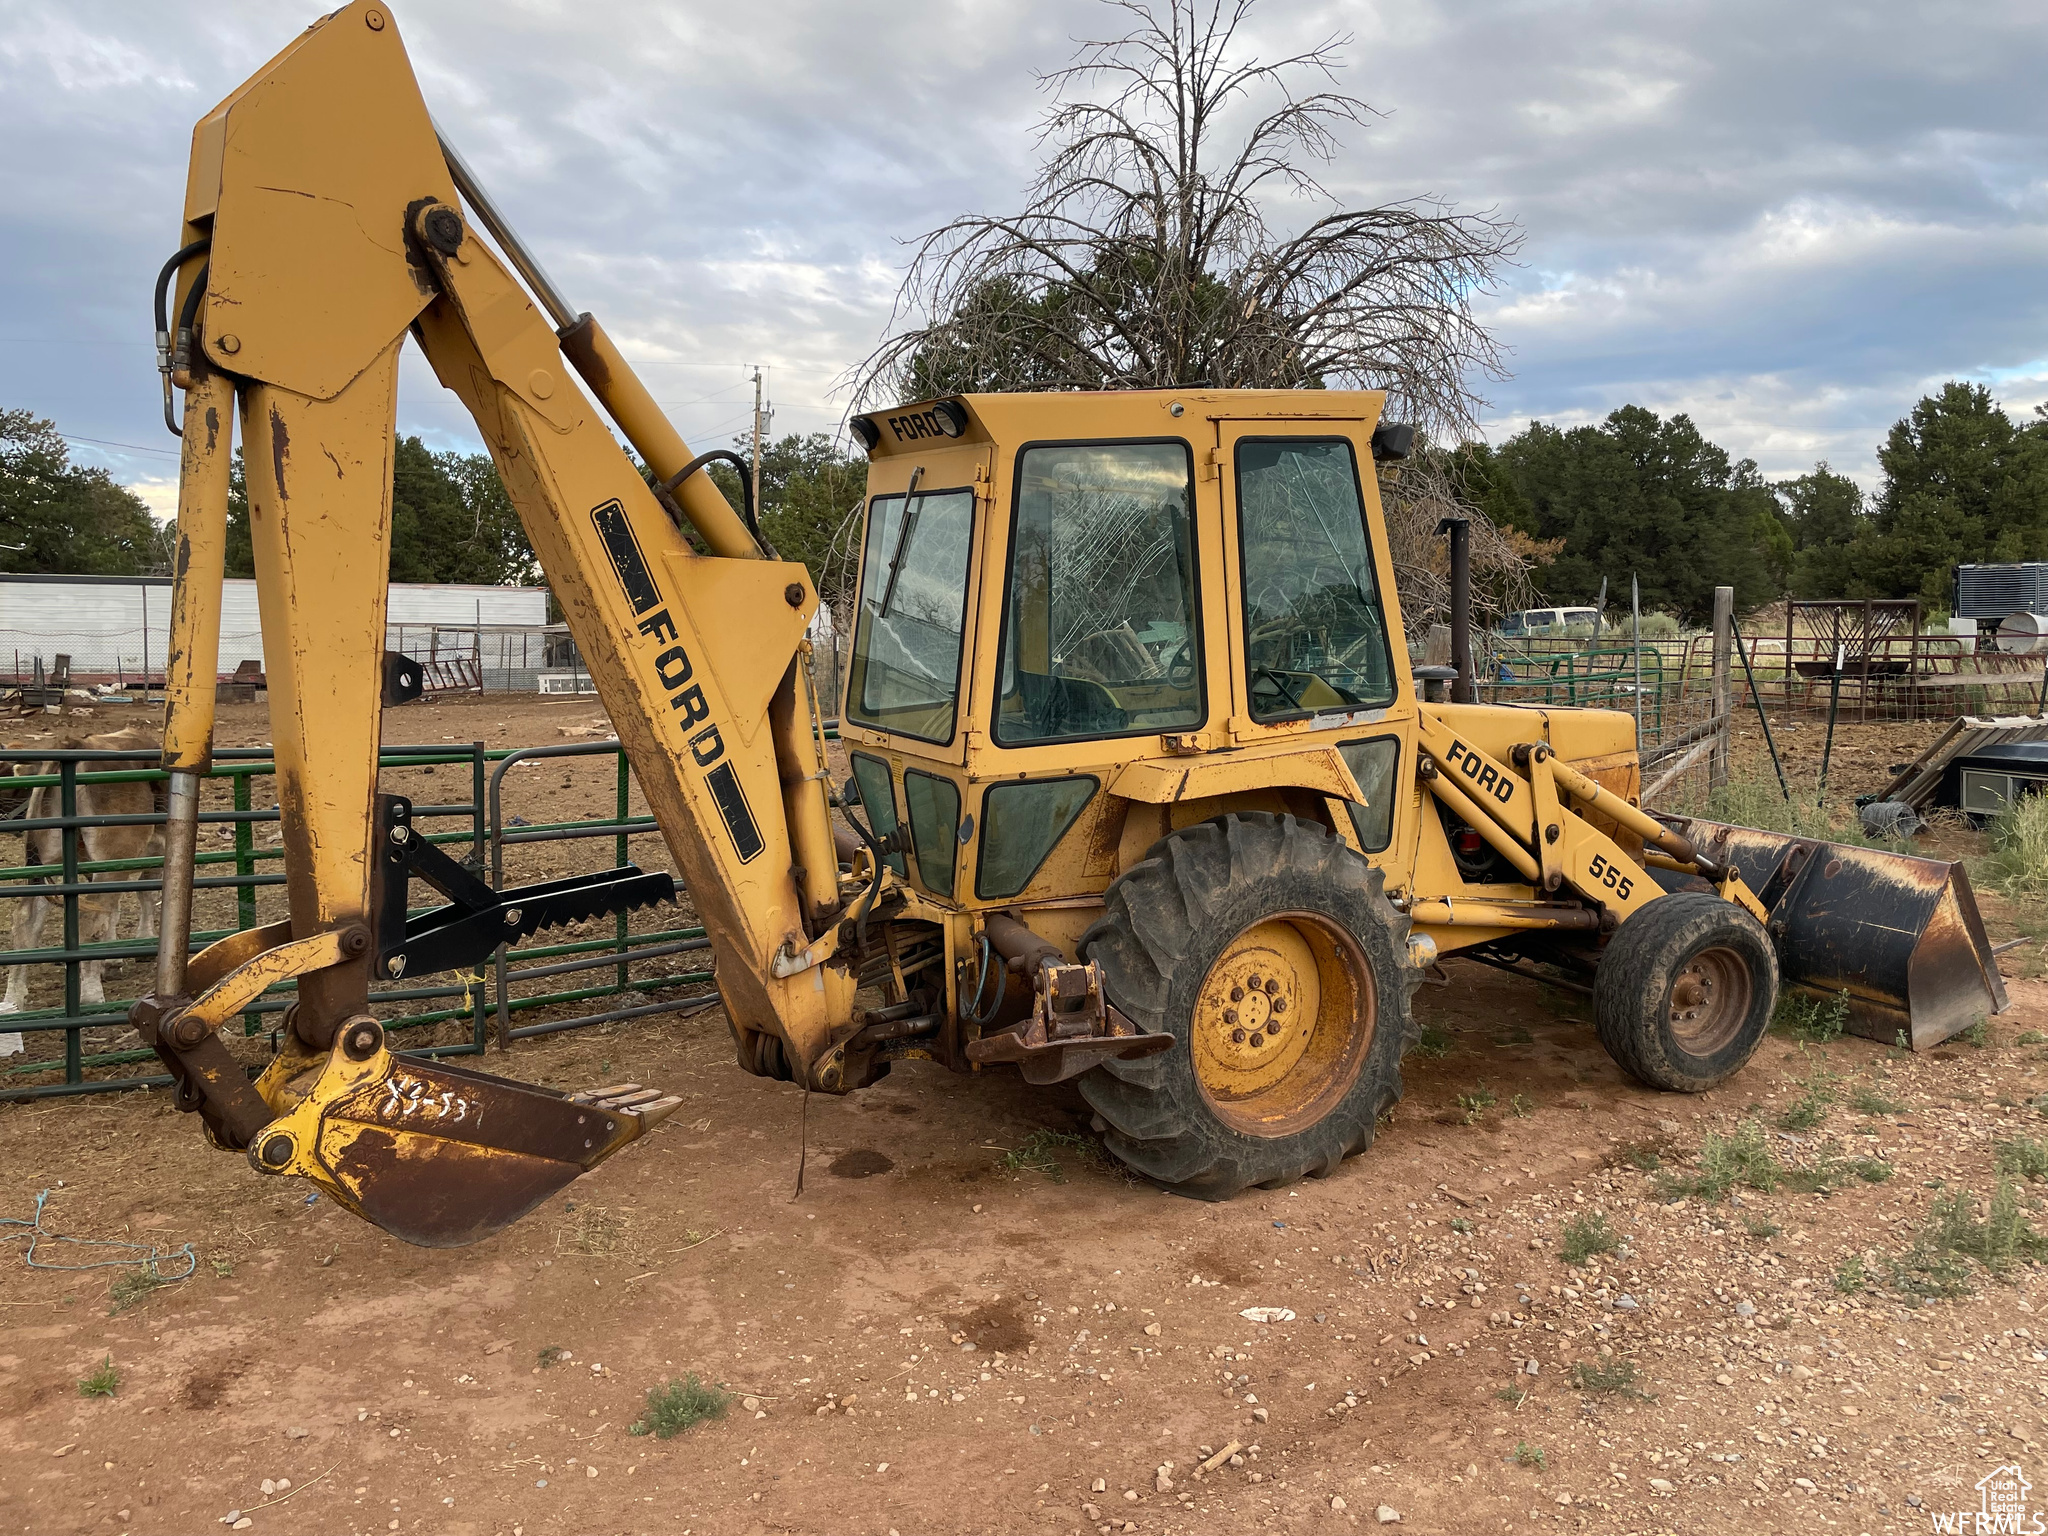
(1786, 219)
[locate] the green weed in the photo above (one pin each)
(2018, 862)
(1761, 1226)
(130, 1288)
(222, 1267)
(1642, 1159)
(1585, 1236)
(1477, 1102)
(1435, 1042)
(1742, 1157)
(1871, 1170)
(104, 1381)
(2032, 1037)
(1461, 1226)
(1979, 1033)
(1616, 1375)
(1868, 1101)
(1819, 1020)
(1822, 1090)
(2001, 1238)
(1851, 1278)
(1040, 1153)
(676, 1406)
(550, 1356)
(2022, 1156)
(1527, 1455)
(1514, 1397)
(1521, 1106)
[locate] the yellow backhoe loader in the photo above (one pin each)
(1142, 792)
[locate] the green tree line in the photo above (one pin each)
(1962, 482)
(56, 516)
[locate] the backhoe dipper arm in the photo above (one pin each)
(336, 228)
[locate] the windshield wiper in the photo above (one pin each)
(902, 541)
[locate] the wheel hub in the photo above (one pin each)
(1709, 1000)
(1282, 1022)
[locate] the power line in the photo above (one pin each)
(100, 442)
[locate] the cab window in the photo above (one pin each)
(1315, 629)
(1099, 628)
(905, 671)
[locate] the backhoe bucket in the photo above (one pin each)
(1899, 935)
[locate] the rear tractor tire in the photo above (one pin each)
(1685, 991)
(1268, 949)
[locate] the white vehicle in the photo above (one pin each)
(1549, 621)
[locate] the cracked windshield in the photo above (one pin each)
(905, 674)
(1100, 637)
(1315, 635)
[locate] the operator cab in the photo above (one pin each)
(1197, 570)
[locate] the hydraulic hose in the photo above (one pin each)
(163, 322)
(753, 520)
(974, 1013)
(847, 799)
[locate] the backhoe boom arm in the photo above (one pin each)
(330, 227)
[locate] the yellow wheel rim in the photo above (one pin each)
(1283, 1023)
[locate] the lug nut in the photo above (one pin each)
(1237, 1037)
(1279, 1005)
(1230, 1015)
(1254, 983)
(1237, 994)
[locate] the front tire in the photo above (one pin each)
(1685, 991)
(1268, 949)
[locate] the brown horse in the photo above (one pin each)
(97, 915)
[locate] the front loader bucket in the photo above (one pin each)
(1899, 934)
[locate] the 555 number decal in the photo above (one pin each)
(1611, 877)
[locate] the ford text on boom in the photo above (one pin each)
(1482, 773)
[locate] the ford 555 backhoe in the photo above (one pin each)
(1141, 792)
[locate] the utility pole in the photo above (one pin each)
(760, 420)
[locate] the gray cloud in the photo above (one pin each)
(1787, 220)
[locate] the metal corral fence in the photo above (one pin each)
(455, 1015)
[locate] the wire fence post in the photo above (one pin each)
(1724, 623)
(625, 774)
(479, 1008)
(74, 1059)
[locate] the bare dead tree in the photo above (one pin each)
(1144, 257)
(1417, 497)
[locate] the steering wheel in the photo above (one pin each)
(1180, 663)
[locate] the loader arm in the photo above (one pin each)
(324, 223)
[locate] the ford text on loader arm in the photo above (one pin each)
(1142, 792)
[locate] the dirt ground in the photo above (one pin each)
(967, 1322)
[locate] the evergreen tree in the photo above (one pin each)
(1645, 495)
(1824, 514)
(1963, 483)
